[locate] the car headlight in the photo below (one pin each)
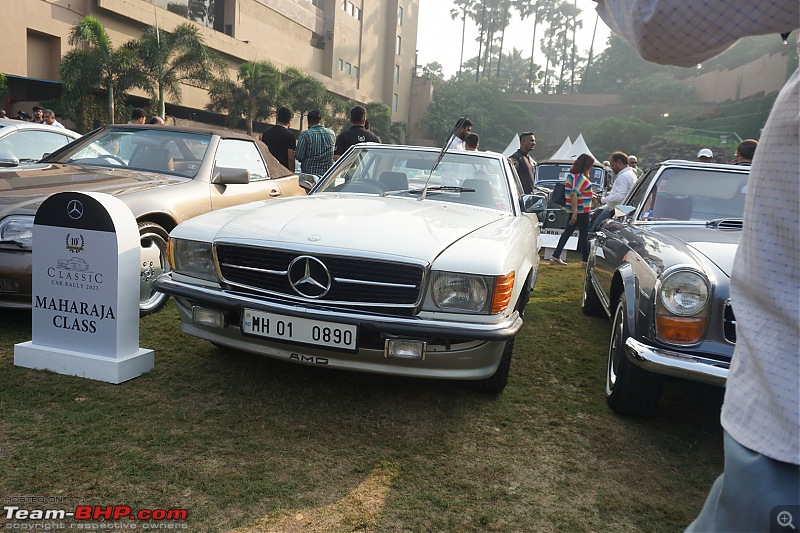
(682, 307)
(17, 231)
(192, 258)
(470, 293)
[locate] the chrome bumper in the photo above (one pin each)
(676, 364)
(223, 300)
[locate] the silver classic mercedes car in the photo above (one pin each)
(660, 269)
(395, 263)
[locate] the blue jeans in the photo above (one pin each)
(583, 236)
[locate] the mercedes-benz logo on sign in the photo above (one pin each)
(309, 277)
(75, 209)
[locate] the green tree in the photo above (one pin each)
(96, 65)
(3, 86)
(380, 121)
(253, 96)
(617, 133)
(168, 59)
(495, 119)
(302, 93)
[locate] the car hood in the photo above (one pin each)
(719, 246)
(23, 189)
(392, 226)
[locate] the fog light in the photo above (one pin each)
(208, 317)
(404, 349)
(9, 285)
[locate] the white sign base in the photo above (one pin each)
(112, 370)
(86, 267)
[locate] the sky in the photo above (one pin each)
(439, 36)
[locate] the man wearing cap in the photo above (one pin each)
(705, 156)
(633, 162)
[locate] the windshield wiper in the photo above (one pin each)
(449, 188)
(20, 244)
(460, 123)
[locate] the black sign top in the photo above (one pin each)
(74, 210)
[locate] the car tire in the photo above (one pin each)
(590, 301)
(498, 381)
(630, 391)
(153, 263)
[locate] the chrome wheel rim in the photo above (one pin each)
(153, 263)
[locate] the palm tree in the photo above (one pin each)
(167, 59)
(96, 65)
(252, 97)
(536, 9)
(303, 93)
(465, 7)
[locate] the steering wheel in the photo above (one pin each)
(367, 186)
(112, 157)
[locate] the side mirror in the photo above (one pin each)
(307, 181)
(623, 211)
(8, 160)
(230, 176)
(533, 203)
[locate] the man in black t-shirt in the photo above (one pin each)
(356, 134)
(522, 163)
(280, 141)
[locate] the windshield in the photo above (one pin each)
(155, 150)
(461, 177)
(695, 194)
(550, 174)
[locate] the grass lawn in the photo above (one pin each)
(246, 443)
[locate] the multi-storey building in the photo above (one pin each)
(360, 49)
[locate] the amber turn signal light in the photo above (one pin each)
(503, 287)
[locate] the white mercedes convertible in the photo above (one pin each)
(401, 260)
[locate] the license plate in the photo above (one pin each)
(299, 330)
(551, 231)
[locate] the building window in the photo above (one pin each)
(394, 102)
(355, 72)
(341, 64)
(347, 68)
(397, 45)
(397, 73)
(357, 12)
(351, 8)
(399, 16)
(344, 5)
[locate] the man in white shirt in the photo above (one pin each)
(623, 183)
(759, 489)
(50, 119)
(456, 142)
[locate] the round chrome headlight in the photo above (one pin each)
(684, 292)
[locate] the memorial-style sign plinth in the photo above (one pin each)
(85, 317)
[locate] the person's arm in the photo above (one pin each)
(302, 148)
(676, 32)
(573, 200)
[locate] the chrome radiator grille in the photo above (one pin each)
(351, 281)
(729, 323)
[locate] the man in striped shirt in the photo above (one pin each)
(315, 147)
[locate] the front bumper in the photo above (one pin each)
(676, 364)
(455, 350)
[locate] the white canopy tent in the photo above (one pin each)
(564, 151)
(512, 147)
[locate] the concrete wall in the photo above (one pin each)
(285, 32)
